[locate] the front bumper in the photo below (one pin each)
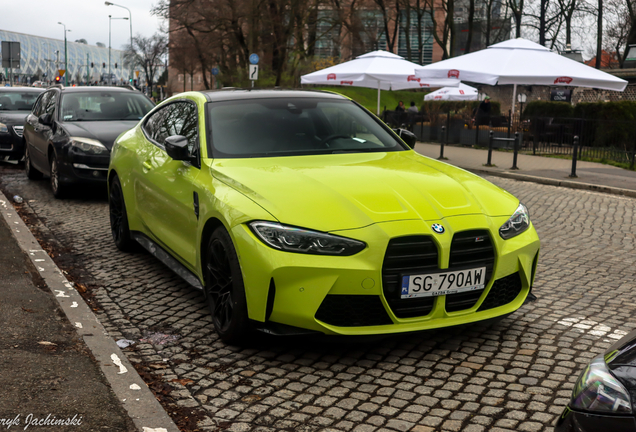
(574, 421)
(75, 167)
(345, 295)
(12, 144)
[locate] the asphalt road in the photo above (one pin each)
(516, 374)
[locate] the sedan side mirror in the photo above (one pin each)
(407, 136)
(177, 147)
(45, 119)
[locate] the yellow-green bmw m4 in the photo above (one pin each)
(300, 211)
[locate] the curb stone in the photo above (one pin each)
(553, 182)
(140, 404)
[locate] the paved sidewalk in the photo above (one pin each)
(45, 369)
(546, 170)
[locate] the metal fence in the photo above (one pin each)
(603, 140)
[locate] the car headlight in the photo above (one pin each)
(599, 391)
(518, 223)
(88, 146)
(4, 128)
(292, 239)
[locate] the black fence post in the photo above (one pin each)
(477, 134)
(515, 152)
(490, 136)
(442, 142)
(509, 122)
(422, 129)
(631, 161)
(574, 155)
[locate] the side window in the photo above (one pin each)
(179, 118)
(38, 109)
(49, 108)
(154, 122)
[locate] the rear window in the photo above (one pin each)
(294, 126)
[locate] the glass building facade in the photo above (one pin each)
(39, 56)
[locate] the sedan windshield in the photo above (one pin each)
(104, 105)
(295, 126)
(18, 101)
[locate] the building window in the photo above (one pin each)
(180, 77)
(425, 55)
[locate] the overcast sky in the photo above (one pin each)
(87, 19)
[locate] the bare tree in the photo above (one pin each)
(148, 54)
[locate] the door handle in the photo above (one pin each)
(147, 166)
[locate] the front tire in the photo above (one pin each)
(119, 218)
(31, 172)
(224, 288)
(58, 188)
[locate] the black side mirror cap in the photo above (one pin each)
(177, 147)
(45, 119)
(407, 136)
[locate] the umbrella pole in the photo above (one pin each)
(378, 98)
(514, 97)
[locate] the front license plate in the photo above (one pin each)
(437, 284)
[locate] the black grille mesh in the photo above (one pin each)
(408, 255)
(470, 249)
(352, 311)
(502, 292)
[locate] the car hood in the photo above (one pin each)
(104, 131)
(13, 117)
(347, 191)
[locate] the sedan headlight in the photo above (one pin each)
(88, 146)
(518, 223)
(292, 239)
(3, 128)
(597, 390)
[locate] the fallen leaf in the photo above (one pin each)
(27, 310)
(183, 381)
(47, 343)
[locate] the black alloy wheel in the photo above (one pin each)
(119, 218)
(31, 172)
(59, 189)
(224, 288)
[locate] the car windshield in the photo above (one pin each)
(294, 126)
(17, 101)
(104, 105)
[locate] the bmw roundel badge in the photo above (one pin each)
(438, 228)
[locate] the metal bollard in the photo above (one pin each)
(515, 152)
(489, 163)
(574, 155)
(442, 142)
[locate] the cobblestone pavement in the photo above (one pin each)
(516, 374)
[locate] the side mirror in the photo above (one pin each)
(407, 136)
(45, 119)
(177, 147)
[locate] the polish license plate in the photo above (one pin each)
(429, 285)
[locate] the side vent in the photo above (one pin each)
(271, 295)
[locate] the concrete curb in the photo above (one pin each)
(141, 405)
(554, 182)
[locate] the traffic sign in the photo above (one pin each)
(137, 74)
(61, 71)
(254, 59)
(215, 71)
(253, 72)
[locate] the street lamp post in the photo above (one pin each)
(107, 3)
(65, 55)
(110, 75)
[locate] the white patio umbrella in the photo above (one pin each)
(520, 62)
(378, 69)
(461, 93)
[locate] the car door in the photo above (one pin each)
(39, 134)
(166, 189)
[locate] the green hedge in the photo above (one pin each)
(457, 106)
(548, 109)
